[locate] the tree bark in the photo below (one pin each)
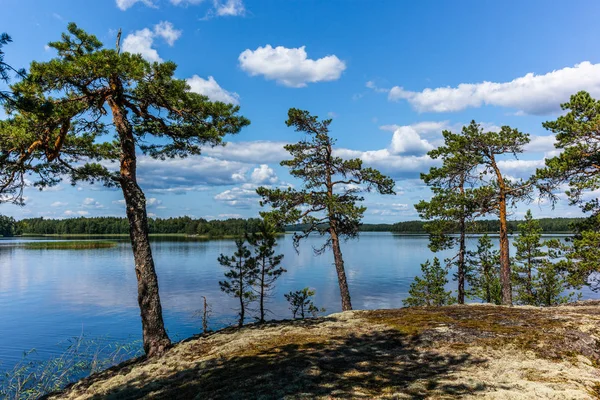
(262, 291)
(156, 340)
(461, 262)
(341, 273)
(241, 283)
(504, 253)
(461, 247)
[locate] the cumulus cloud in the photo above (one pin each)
(141, 42)
(541, 144)
(125, 4)
(180, 175)
(407, 140)
(529, 94)
(59, 204)
(290, 66)
(211, 89)
(239, 197)
(263, 175)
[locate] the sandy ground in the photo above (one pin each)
(472, 351)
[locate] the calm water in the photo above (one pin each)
(47, 296)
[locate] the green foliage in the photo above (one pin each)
(268, 270)
(331, 184)
(8, 226)
(112, 225)
(483, 272)
(578, 165)
(70, 245)
(529, 257)
(6, 69)
(240, 277)
(63, 129)
(581, 260)
(301, 303)
(429, 288)
(452, 207)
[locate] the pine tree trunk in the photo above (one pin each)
(504, 254)
(242, 307)
(461, 263)
(262, 292)
(341, 273)
(156, 340)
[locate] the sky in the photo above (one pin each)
(391, 74)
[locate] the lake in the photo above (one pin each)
(47, 296)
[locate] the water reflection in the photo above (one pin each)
(49, 295)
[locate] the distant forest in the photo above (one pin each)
(113, 225)
(549, 225)
(229, 227)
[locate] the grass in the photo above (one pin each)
(70, 245)
(32, 378)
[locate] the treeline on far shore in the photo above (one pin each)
(549, 225)
(114, 226)
(228, 227)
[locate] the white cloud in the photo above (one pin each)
(290, 67)
(530, 94)
(541, 144)
(407, 140)
(229, 8)
(228, 216)
(256, 152)
(239, 197)
(141, 42)
(89, 202)
(153, 202)
(167, 31)
(125, 4)
(180, 175)
(59, 204)
(70, 213)
(263, 175)
(211, 89)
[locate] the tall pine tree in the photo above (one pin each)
(327, 203)
(89, 91)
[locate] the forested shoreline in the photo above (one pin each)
(229, 227)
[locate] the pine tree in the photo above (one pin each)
(327, 202)
(6, 70)
(483, 275)
(529, 258)
(578, 165)
(496, 192)
(301, 303)
(451, 208)
(551, 279)
(89, 91)
(263, 241)
(429, 288)
(241, 276)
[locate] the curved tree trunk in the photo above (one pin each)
(504, 254)
(341, 273)
(156, 340)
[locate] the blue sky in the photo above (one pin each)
(391, 74)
